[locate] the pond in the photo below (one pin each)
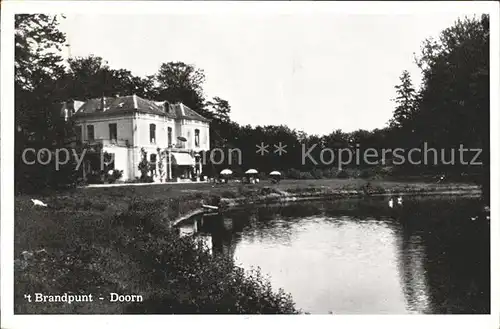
(359, 256)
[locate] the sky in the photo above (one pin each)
(315, 73)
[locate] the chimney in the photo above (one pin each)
(103, 104)
(66, 111)
(69, 109)
(134, 97)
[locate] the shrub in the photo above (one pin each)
(367, 173)
(342, 174)
(95, 178)
(209, 284)
(330, 172)
(238, 172)
(306, 175)
(293, 174)
(146, 179)
(144, 166)
(386, 171)
(317, 173)
(117, 174)
(114, 176)
(211, 199)
(269, 190)
(133, 180)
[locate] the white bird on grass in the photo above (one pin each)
(38, 203)
(391, 203)
(400, 200)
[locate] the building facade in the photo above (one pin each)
(123, 127)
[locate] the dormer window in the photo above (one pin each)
(152, 133)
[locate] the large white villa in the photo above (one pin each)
(124, 125)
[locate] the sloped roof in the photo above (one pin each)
(134, 104)
(183, 112)
(71, 105)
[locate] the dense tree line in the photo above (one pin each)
(449, 108)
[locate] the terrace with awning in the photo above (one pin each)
(182, 159)
(185, 160)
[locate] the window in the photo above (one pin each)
(152, 133)
(169, 136)
(113, 134)
(90, 133)
(197, 138)
(152, 160)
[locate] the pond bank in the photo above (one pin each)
(119, 239)
(275, 195)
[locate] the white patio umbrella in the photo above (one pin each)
(251, 171)
(275, 173)
(226, 172)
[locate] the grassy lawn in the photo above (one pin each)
(118, 239)
(124, 194)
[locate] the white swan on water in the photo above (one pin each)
(400, 200)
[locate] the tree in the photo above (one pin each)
(38, 72)
(219, 109)
(222, 129)
(91, 77)
(454, 101)
(180, 82)
(38, 67)
(87, 77)
(405, 101)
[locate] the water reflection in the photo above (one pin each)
(359, 257)
(412, 255)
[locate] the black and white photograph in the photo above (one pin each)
(216, 158)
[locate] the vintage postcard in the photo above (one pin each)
(162, 159)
